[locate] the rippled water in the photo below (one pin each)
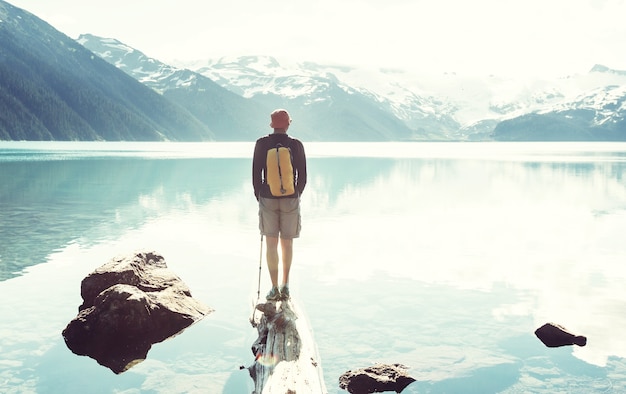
(441, 256)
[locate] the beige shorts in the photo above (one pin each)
(279, 217)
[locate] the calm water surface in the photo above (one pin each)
(441, 256)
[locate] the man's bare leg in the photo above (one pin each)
(287, 250)
(272, 259)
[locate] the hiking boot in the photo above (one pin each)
(273, 295)
(284, 293)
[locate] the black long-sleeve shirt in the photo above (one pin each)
(259, 170)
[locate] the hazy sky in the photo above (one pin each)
(478, 37)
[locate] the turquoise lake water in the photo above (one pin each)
(444, 257)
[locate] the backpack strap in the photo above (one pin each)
(280, 171)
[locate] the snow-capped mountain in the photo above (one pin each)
(598, 115)
(608, 105)
(446, 106)
(425, 116)
(228, 115)
(322, 108)
(148, 71)
(335, 102)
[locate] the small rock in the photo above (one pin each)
(376, 379)
(554, 335)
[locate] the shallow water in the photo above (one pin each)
(441, 256)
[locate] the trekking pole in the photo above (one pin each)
(258, 292)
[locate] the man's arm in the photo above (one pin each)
(257, 169)
(301, 169)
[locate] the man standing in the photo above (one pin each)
(279, 178)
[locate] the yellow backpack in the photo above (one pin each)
(279, 174)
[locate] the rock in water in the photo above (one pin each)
(554, 335)
(129, 304)
(376, 379)
(286, 359)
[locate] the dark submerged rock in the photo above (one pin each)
(376, 379)
(129, 304)
(554, 335)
